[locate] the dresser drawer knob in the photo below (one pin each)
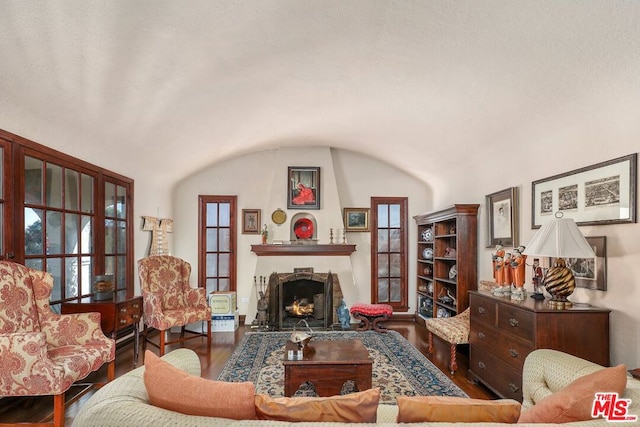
(123, 321)
(513, 322)
(136, 305)
(514, 388)
(123, 310)
(513, 352)
(482, 310)
(481, 365)
(481, 335)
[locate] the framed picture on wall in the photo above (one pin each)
(591, 273)
(502, 214)
(303, 187)
(604, 193)
(356, 219)
(251, 221)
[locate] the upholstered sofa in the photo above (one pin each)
(124, 401)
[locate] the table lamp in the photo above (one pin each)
(559, 238)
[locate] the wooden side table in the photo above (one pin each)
(116, 314)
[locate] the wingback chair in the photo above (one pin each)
(169, 300)
(41, 352)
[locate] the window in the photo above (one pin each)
(389, 252)
(217, 262)
(67, 217)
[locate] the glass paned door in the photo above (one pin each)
(389, 252)
(116, 233)
(58, 217)
(217, 243)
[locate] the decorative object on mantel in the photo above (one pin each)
(279, 216)
(304, 229)
(265, 234)
(560, 239)
(609, 190)
(331, 235)
(159, 228)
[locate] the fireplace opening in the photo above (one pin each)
(301, 295)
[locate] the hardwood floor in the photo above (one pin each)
(223, 344)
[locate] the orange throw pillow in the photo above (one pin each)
(360, 407)
(171, 388)
(418, 409)
(574, 402)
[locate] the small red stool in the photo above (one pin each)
(371, 316)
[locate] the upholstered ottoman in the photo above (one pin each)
(454, 330)
(371, 316)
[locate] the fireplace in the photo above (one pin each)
(303, 294)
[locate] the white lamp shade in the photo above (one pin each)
(559, 238)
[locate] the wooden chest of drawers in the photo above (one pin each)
(504, 332)
(116, 315)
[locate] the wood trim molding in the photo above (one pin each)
(303, 250)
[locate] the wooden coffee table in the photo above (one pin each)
(328, 365)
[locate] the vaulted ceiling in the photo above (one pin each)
(179, 85)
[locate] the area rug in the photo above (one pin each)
(398, 367)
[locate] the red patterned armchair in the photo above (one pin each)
(170, 301)
(41, 352)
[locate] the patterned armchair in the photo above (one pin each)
(170, 301)
(41, 352)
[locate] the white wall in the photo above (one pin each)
(541, 158)
(260, 182)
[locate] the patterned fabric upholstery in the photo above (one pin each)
(168, 298)
(454, 330)
(372, 310)
(41, 352)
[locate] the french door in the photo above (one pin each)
(65, 216)
(389, 263)
(217, 243)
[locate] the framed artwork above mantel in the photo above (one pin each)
(303, 187)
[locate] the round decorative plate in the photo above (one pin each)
(427, 253)
(427, 235)
(303, 228)
(279, 216)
